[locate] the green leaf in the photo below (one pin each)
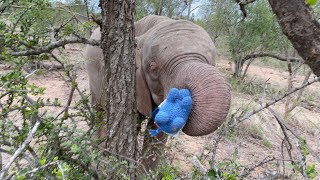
(311, 2)
(43, 161)
(59, 174)
(212, 173)
(21, 177)
(56, 158)
(75, 148)
(311, 171)
(54, 171)
(290, 166)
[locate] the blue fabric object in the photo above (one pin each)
(172, 114)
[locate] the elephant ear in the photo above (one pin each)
(144, 103)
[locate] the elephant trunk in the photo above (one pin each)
(211, 95)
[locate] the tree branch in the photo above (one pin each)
(282, 123)
(301, 27)
(20, 149)
(243, 116)
(251, 56)
(246, 116)
(56, 44)
(199, 166)
(242, 5)
(122, 156)
(25, 144)
(6, 4)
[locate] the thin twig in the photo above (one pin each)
(247, 115)
(41, 167)
(248, 170)
(283, 128)
(6, 4)
(20, 149)
(121, 156)
(25, 144)
(236, 120)
(73, 88)
(280, 120)
(302, 161)
(0, 157)
(56, 59)
(199, 166)
(298, 100)
(280, 58)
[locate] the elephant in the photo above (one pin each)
(170, 54)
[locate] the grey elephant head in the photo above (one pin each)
(172, 53)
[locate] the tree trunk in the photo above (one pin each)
(246, 70)
(301, 28)
(238, 66)
(189, 8)
(119, 122)
(159, 10)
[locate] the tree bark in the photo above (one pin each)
(302, 29)
(119, 122)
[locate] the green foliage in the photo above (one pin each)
(271, 63)
(312, 2)
(60, 148)
(167, 172)
(228, 169)
(63, 140)
(31, 24)
(311, 171)
(170, 8)
(257, 32)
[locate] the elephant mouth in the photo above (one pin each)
(211, 96)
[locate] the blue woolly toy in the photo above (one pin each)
(172, 114)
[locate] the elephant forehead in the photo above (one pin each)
(166, 41)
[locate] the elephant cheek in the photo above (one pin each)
(144, 103)
(153, 77)
(156, 90)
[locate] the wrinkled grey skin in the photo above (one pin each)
(171, 53)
